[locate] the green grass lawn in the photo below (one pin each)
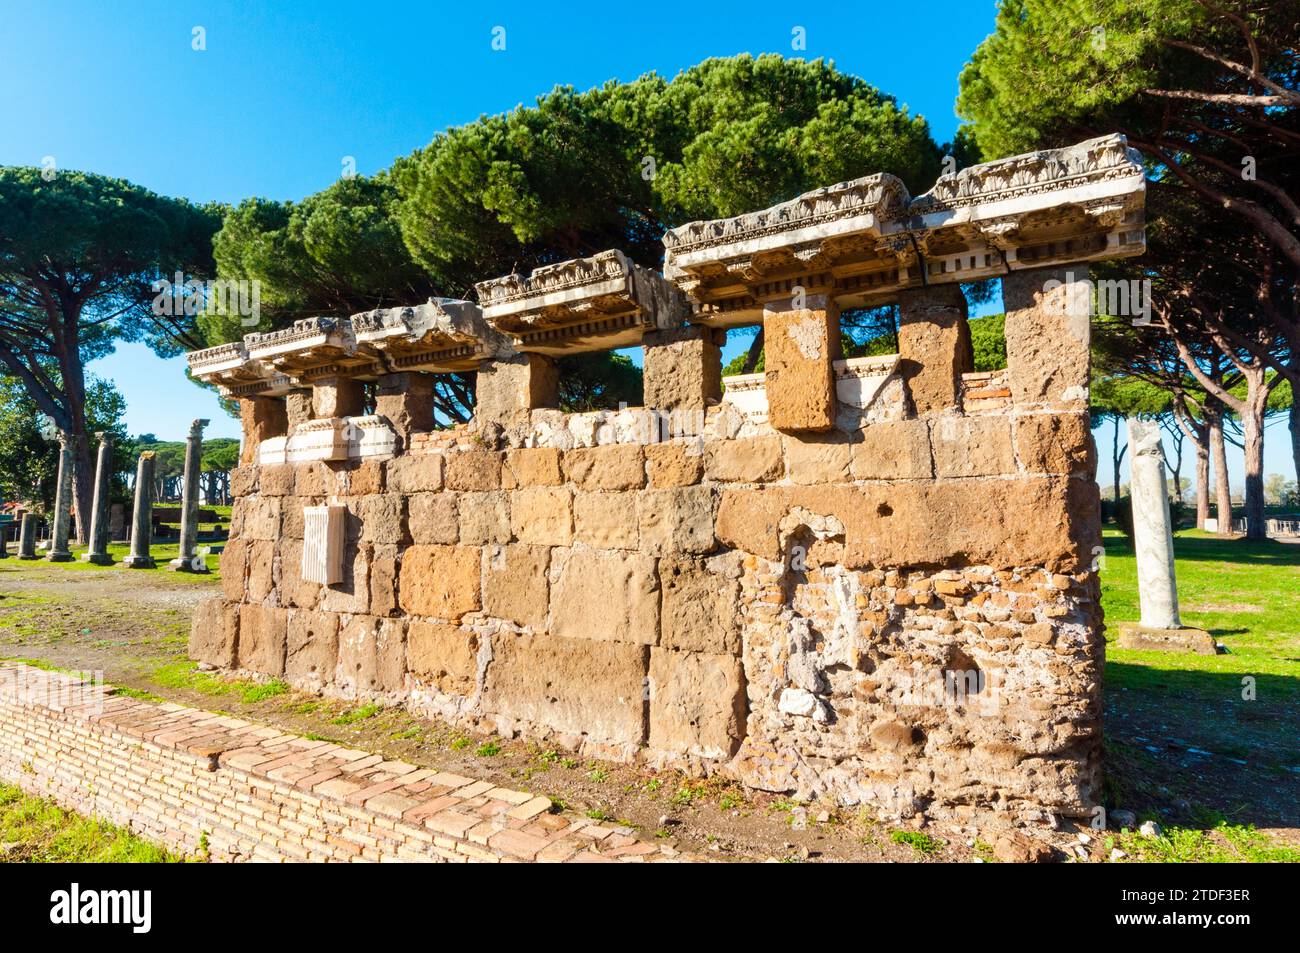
(34, 830)
(162, 553)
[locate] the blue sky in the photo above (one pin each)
(284, 93)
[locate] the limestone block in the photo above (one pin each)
(443, 654)
(515, 583)
(507, 389)
(261, 570)
(748, 460)
(682, 368)
(1133, 635)
(243, 480)
(276, 480)
(473, 470)
(384, 567)
(606, 520)
(606, 596)
(337, 397)
(972, 446)
(674, 464)
(697, 703)
(261, 419)
(294, 590)
(484, 517)
(440, 581)
(1048, 335)
(816, 458)
(297, 408)
(261, 518)
(542, 515)
(433, 518)
(262, 637)
(893, 450)
(591, 689)
(700, 608)
(362, 478)
(313, 479)
(352, 594)
(613, 467)
(406, 401)
(415, 473)
(800, 346)
(677, 520)
(214, 632)
(379, 518)
(234, 569)
(531, 466)
(313, 649)
(934, 346)
(372, 656)
(1055, 443)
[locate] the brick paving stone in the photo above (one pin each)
(451, 822)
(530, 808)
(517, 844)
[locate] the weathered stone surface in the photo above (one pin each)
(893, 450)
(1014, 847)
(674, 464)
(542, 515)
(384, 567)
(313, 649)
(337, 397)
(294, 590)
(276, 480)
(972, 446)
(1048, 335)
(261, 419)
(515, 583)
(606, 596)
(678, 520)
(312, 479)
(817, 459)
(352, 593)
(606, 520)
(297, 408)
(363, 478)
(261, 518)
(934, 346)
(415, 473)
(484, 517)
(445, 655)
(1182, 639)
(382, 517)
(507, 389)
(591, 689)
(749, 460)
(261, 571)
(372, 656)
(432, 518)
(214, 632)
(473, 470)
(800, 346)
(682, 369)
(262, 635)
(406, 402)
(1055, 443)
(234, 569)
(243, 480)
(531, 466)
(701, 609)
(440, 581)
(613, 467)
(697, 703)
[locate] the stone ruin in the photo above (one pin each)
(870, 579)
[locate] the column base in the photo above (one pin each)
(180, 564)
(32, 556)
(59, 557)
(99, 559)
(1134, 635)
(139, 562)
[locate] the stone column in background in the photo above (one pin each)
(4, 540)
(1153, 545)
(98, 552)
(59, 552)
(27, 537)
(142, 516)
(185, 561)
(934, 346)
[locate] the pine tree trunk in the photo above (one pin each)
(1202, 486)
(1253, 424)
(1222, 485)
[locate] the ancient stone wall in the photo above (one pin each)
(870, 579)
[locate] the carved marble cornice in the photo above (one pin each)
(441, 335)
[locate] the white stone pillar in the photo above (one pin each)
(59, 552)
(1153, 537)
(188, 560)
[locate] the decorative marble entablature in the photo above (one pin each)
(331, 439)
(863, 241)
(587, 304)
(442, 335)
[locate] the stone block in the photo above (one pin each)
(816, 458)
(337, 397)
(934, 346)
(515, 583)
(678, 520)
(800, 345)
(1048, 334)
(432, 518)
(542, 515)
(972, 446)
(893, 450)
(261, 518)
(592, 689)
(1055, 443)
(243, 480)
(262, 639)
(473, 470)
(415, 473)
(297, 408)
(697, 703)
(405, 400)
(682, 369)
(276, 480)
(294, 589)
(352, 594)
(531, 466)
(507, 389)
(442, 582)
(1184, 639)
(214, 632)
(606, 520)
(674, 464)
(234, 569)
(701, 609)
(443, 654)
(606, 596)
(362, 478)
(292, 519)
(484, 518)
(313, 649)
(384, 567)
(748, 460)
(615, 467)
(381, 517)
(372, 656)
(312, 479)
(261, 571)
(261, 419)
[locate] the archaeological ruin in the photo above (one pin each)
(870, 579)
